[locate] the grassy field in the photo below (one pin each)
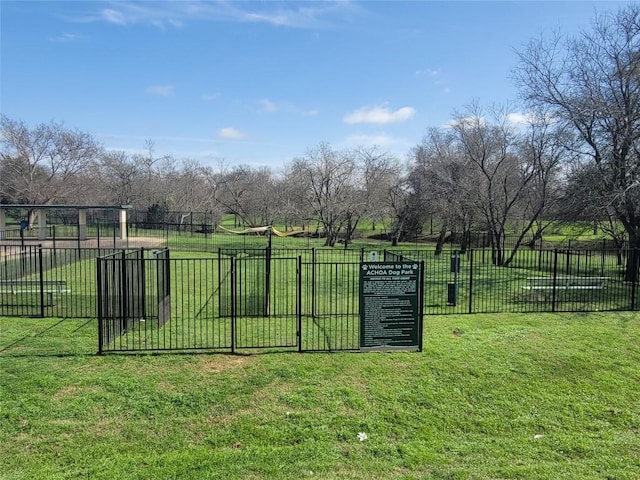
(507, 396)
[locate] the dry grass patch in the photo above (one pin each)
(223, 363)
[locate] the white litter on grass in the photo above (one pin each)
(538, 435)
(362, 436)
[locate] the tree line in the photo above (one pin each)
(574, 155)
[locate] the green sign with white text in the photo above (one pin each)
(389, 306)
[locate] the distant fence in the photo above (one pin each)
(536, 281)
(49, 282)
(63, 282)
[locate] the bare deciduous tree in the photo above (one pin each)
(329, 181)
(591, 82)
(47, 163)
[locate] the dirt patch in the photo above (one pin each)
(73, 391)
(65, 392)
(222, 363)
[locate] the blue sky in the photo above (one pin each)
(258, 83)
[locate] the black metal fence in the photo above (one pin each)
(49, 282)
(535, 281)
(303, 299)
(234, 300)
(310, 301)
(133, 289)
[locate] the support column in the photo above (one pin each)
(42, 224)
(3, 225)
(123, 224)
(82, 224)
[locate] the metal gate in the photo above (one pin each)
(264, 296)
(133, 298)
(227, 302)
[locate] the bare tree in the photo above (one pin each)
(447, 182)
(513, 172)
(46, 164)
(591, 82)
(187, 190)
(248, 193)
(123, 178)
(329, 179)
(379, 173)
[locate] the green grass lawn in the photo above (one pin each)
(540, 396)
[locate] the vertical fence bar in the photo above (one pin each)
(299, 303)
(124, 296)
(41, 277)
(267, 279)
(634, 276)
(100, 309)
(471, 280)
(420, 307)
(233, 304)
(313, 282)
(143, 283)
(555, 279)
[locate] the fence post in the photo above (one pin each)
(124, 293)
(41, 276)
(233, 304)
(313, 282)
(299, 302)
(471, 280)
(421, 307)
(634, 277)
(267, 279)
(555, 276)
(100, 307)
(219, 279)
(142, 283)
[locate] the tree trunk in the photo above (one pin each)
(441, 239)
(633, 258)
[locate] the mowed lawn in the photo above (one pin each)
(536, 396)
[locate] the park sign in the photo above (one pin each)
(390, 316)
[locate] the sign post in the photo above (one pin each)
(389, 306)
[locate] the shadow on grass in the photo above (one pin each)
(28, 337)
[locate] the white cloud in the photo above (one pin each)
(176, 14)
(65, 37)
(428, 73)
(434, 77)
(231, 133)
(161, 90)
(381, 115)
(113, 16)
(268, 106)
(519, 118)
(210, 96)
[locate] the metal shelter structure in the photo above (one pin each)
(39, 212)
